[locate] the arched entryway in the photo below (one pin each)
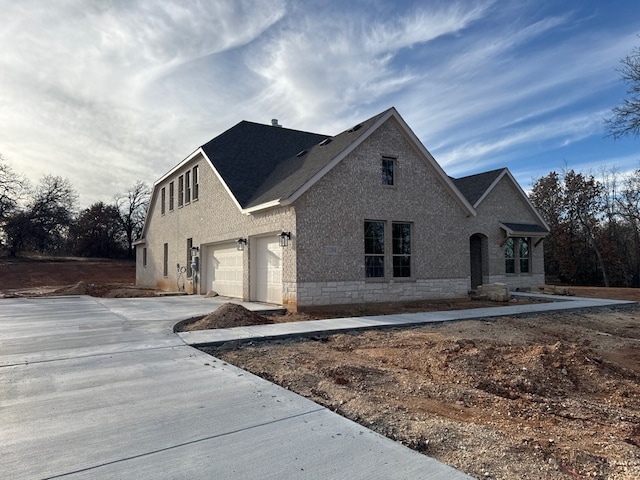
(478, 255)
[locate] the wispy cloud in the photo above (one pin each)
(116, 91)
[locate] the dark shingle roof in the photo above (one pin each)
(292, 173)
(525, 227)
(474, 186)
(262, 163)
(246, 154)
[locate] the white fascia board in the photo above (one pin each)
(179, 166)
(263, 206)
(444, 178)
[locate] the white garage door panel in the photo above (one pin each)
(268, 270)
(224, 270)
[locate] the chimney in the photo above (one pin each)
(274, 123)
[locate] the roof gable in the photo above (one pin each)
(477, 187)
(474, 187)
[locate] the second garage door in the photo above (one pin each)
(267, 270)
(224, 270)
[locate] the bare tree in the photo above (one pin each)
(51, 211)
(132, 206)
(13, 187)
(626, 117)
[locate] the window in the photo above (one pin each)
(525, 255)
(510, 256)
(194, 179)
(187, 187)
(517, 253)
(374, 249)
(388, 165)
(165, 260)
(144, 256)
(180, 190)
(401, 236)
(163, 195)
(189, 245)
(171, 192)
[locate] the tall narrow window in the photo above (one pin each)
(401, 236)
(388, 165)
(187, 187)
(180, 190)
(194, 179)
(524, 255)
(510, 256)
(171, 195)
(374, 249)
(189, 245)
(165, 260)
(144, 256)
(163, 198)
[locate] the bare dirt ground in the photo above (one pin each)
(536, 397)
(37, 276)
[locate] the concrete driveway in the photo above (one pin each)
(102, 388)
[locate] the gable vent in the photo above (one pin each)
(324, 142)
(355, 129)
(301, 154)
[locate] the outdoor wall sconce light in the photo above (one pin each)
(284, 238)
(194, 251)
(241, 243)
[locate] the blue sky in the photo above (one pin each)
(107, 92)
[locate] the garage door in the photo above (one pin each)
(267, 271)
(224, 270)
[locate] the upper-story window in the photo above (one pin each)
(187, 187)
(194, 179)
(388, 171)
(180, 190)
(171, 195)
(163, 198)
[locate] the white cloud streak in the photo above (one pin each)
(108, 92)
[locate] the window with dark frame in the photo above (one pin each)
(189, 245)
(165, 260)
(510, 256)
(187, 187)
(171, 195)
(180, 190)
(374, 249)
(388, 167)
(144, 256)
(524, 254)
(194, 179)
(517, 255)
(401, 251)
(163, 197)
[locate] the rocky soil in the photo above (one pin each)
(550, 396)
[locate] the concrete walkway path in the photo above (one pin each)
(102, 388)
(336, 325)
